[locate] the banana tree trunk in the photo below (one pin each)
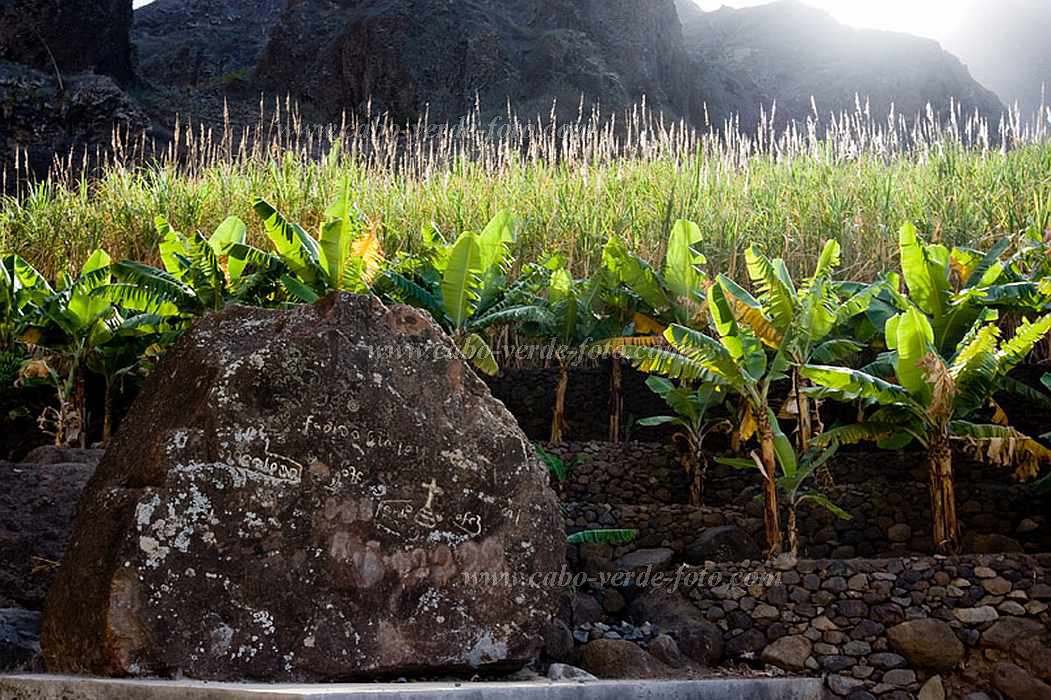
(695, 466)
(806, 431)
(771, 511)
(558, 421)
(943, 497)
(80, 408)
(735, 435)
(793, 532)
(616, 400)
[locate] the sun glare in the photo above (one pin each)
(930, 18)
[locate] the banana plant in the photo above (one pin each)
(954, 288)
(932, 400)
(465, 290)
(570, 318)
(559, 469)
(692, 406)
(794, 491)
(798, 322)
(736, 358)
(644, 300)
(345, 257)
(74, 323)
(613, 537)
(675, 293)
(23, 291)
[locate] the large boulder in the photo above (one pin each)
(1016, 684)
(927, 643)
(74, 35)
(790, 653)
(290, 499)
(728, 543)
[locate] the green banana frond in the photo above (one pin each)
(870, 431)
(850, 385)
(409, 292)
(775, 291)
(478, 353)
(145, 288)
(602, 537)
(708, 353)
(667, 363)
(461, 280)
(1017, 349)
(835, 350)
(297, 248)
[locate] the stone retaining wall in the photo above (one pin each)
(530, 396)
(871, 628)
(853, 620)
(676, 527)
(885, 493)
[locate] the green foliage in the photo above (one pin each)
(558, 467)
(464, 287)
(944, 352)
(614, 537)
(935, 395)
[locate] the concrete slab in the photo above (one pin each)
(47, 687)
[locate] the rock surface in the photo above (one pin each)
(1016, 684)
(202, 42)
(19, 638)
(288, 501)
(927, 643)
(787, 52)
(617, 658)
(36, 516)
(697, 639)
(565, 673)
(1005, 46)
(789, 653)
(80, 35)
(43, 121)
(726, 543)
(416, 56)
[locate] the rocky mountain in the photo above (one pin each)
(202, 42)
(74, 35)
(788, 52)
(1005, 46)
(60, 65)
(410, 56)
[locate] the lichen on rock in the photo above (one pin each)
(285, 503)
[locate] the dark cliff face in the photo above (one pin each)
(1005, 46)
(788, 53)
(81, 35)
(202, 42)
(411, 56)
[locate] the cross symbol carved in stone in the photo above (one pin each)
(432, 490)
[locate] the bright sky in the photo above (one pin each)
(930, 18)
